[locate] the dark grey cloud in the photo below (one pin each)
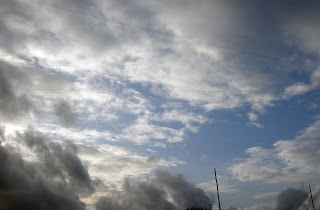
(184, 193)
(17, 101)
(151, 158)
(154, 194)
(110, 204)
(1, 133)
(316, 200)
(144, 196)
(54, 182)
(11, 104)
(21, 186)
(59, 160)
(291, 199)
(65, 113)
(38, 198)
(31, 75)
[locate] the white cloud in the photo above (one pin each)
(301, 87)
(252, 116)
(266, 195)
(262, 206)
(225, 186)
(112, 164)
(120, 56)
(256, 124)
(173, 72)
(203, 156)
(288, 161)
(136, 86)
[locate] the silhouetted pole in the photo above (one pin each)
(215, 174)
(311, 198)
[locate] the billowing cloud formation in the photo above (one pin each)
(291, 199)
(184, 194)
(308, 202)
(55, 181)
(60, 161)
(143, 196)
(56, 178)
(153, 194)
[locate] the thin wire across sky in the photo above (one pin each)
(156, 31)
(241, 51)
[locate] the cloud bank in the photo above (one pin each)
(154, 194)
(53, 182)
(57, 179)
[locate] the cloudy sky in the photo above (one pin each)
(133, 103)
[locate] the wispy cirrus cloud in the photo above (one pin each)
(265, 195)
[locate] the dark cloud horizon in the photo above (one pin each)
(53, 182)
(154, 194)
(58, 179)
(291, 199)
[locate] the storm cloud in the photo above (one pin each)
(144, 195)
(288, 199)
(55, 181)
(154, 194)
(308, 202)
(291, 199)
(58, 178)
(184, 193)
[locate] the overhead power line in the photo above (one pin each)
(109, 52)
(91, 46)
(177, 36)
(88, 45)
(177, 91)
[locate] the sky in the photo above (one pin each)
(131, 104)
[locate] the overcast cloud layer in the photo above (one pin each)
(95, 96)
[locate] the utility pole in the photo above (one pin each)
(215, 174)
(311, 198)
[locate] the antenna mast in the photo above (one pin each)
(311, 197)
(215, 174)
